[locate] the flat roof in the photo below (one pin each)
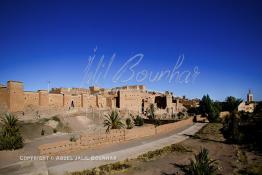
(14, 81)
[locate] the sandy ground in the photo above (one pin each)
(83, 123)
(227, 155)
(31, 131)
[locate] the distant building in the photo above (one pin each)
(133, 98)
(249, 105)
(189, 103)
(250, 97)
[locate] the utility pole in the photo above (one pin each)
(48, 85)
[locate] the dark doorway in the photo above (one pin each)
(72, 104)
(118, 100)
(143, 106)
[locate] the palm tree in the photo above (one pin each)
(10, 136)
(112, 121)
(202, 165)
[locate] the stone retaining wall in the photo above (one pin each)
(115, 136)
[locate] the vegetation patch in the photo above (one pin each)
(211, 132)
(113, 121)
(138, 121)
(201, 165)
(253, 169)
(105, 169)
(163, 151)
(56, 118)
(10, 135)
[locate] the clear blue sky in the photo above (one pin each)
(50, 40)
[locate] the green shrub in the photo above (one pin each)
(165, 150)
(129, 124)
(202, 165)
(105, 169)
(56, 118)
(139, 121)
(113, 121)
(72, 139)
(10, 136)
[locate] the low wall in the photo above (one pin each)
(139, 132)
(172, 126)
(94, 140)
(57, 148)
(114, 136)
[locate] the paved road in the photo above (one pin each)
(123, 154)
(129, 149)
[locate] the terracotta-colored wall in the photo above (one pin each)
(43, 98)
(173, 126)
(3, 97)
(31, 99)
(56, 100)
(101, 101)
(68, 99)
(140, 132)
(115, 136)
(15, 96)
(88, 101)
(130, 100)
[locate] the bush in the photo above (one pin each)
(10, 136)
(195, 119)
(163, 151)
(129, 124)
(105, 169)
(56, 118)
(180, 115)
(72, 139)
(202, 165)
(139, 121)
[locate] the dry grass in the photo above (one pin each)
(112, 168)
(163, 151)
(211, 132)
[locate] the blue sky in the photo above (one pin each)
(43, 41)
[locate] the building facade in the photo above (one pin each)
(134, 98)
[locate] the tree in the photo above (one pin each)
(112, 121)
(193, 110)
(10, 136)
(151, 112)
(232, 103)
(209, 109)
(205, 105)
(231, 127)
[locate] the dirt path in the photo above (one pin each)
(230, 158)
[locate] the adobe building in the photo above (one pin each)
(13, 98)
(188, 103)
